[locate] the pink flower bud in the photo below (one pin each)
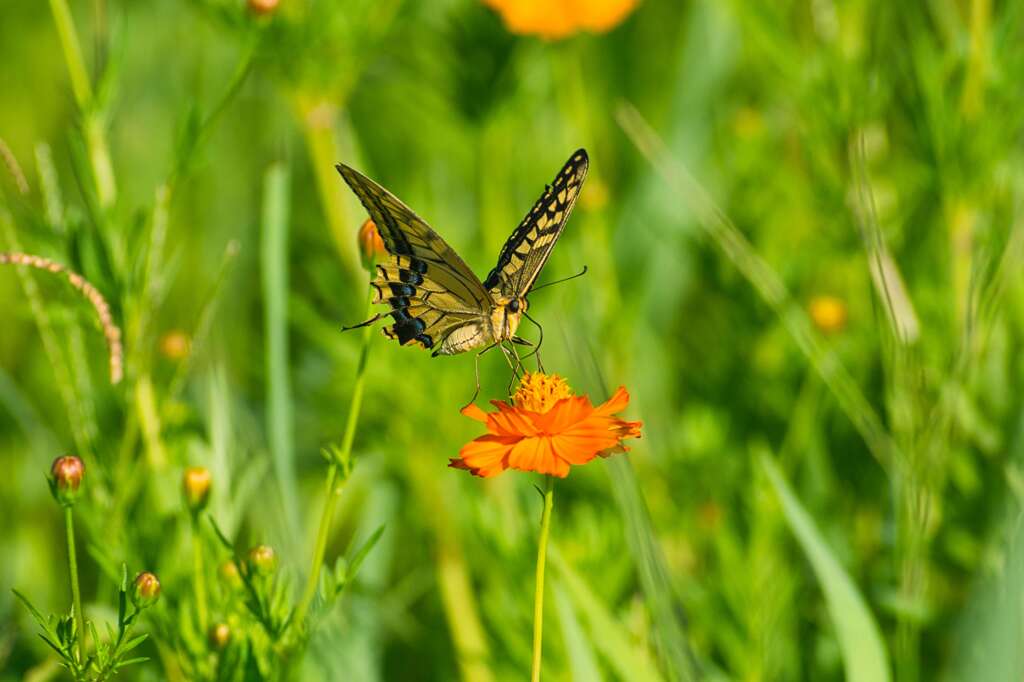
(145, 590)
(66, 478)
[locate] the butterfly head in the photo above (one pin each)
(506, 315)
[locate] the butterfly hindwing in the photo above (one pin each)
(432, 293)
(526, 251)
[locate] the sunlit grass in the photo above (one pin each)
(802, 234)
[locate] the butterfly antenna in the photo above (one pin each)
(559, 281)
(363, 324)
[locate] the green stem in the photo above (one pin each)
(76, 596)
(198, 565)
(538, 599)
(72, 52)
(93, 124)
(330, 503)
(341, 466)
(99, 158)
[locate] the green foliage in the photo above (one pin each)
(750, 161)
(62, 634)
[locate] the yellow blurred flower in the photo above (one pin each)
(220, 635)
(553, 19)
(828, 313)
(175, 345)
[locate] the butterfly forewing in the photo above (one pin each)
(526, 251)
(432, 293)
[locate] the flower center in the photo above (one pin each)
(538, 392)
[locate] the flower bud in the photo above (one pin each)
(196, 485)
(66, 478)
(262, 7)
(262, 560)
(145, 590)
(230, 575)
(220, 635)
(371, 246)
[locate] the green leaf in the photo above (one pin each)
(33, 610)
(220, 536)
(132, 643)
(360, 555)
(53, 645)
(865, 658)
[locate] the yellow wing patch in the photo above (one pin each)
(526, 251)
(431, 292)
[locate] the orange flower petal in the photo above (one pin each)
(486, 455)
(510, 421)
(564, 414)
(604, 15)
(580, 448)
(617, 403)
(474, 412)
(536, 454)
(573, 450)
(626, 429)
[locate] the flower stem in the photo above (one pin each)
(538, 599)
(93, 123)
(333, 493)
(340, 465)
(76, 596)
(72, 52)
(198, 566)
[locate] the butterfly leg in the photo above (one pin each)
(540, 342)
(363, 324)
(516, 368)
(476, 370)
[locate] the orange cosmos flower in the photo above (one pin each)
(553, 19)
(545, 429)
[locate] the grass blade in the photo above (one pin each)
(628, 662)
(864, 654)
(274, 267)
(582, 663)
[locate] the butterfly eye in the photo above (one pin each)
(514, 305)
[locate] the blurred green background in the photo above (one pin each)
(809, 281)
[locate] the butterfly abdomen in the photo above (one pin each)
(464, 338)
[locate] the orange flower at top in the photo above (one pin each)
(553, 19)
(545, 429)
